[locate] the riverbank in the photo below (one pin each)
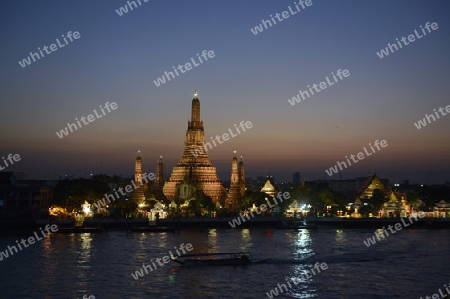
(424, 223)
(177, 224)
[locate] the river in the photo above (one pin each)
(412, 263)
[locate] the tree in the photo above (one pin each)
(248, 200)
(72, 193)
(303, 193)
(126, 207)
(377, 201)
(206, 203)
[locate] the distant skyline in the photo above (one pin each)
(251, 77)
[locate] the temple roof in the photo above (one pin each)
(268, 188)
(371, 183)
(442, 205)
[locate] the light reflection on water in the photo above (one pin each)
(70, 266)
(340, 239)
(212, 239)
(303, 249)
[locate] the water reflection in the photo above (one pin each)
(303, 244)
(340, 238)
(86, 241)
(54, 267)
(212, 238)
(246, 240)
(245, 234)
(84, 260)
(303, 249)
(47, 277)
(162, 241)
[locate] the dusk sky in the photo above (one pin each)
(250, 78)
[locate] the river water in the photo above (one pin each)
(410, 264)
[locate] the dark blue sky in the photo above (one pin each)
(250, 78)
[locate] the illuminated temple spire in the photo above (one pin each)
(195, 113)
(159, 181)
(241, 177)
(234, 194)
(137, 194)
(194, 164)
(138, 169)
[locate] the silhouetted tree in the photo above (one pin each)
(125, 207)
(72, 193)
(377, 201)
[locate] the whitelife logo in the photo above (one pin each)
(262, 208)
(285, 14)
(411, 38)
(161, 261)
(296, 280)
(360, 157)
(436, 296)
(10, 158)
(187, 66)
(225, 136)
(90, 118)
(398, 227)
(101, 203)
(53, 48)
(423, 123)
(323, 85)
(31, 240)
(124, 9)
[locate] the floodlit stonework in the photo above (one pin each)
(233, 200)
(198, 170)
(138, 194)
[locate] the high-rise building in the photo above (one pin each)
(194, 165)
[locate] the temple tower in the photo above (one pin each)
(137, 194)
(234, 194)
(138, 169)
(241, 177)
(159, 180)
(194, 164)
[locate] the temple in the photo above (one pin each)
(194, 166)
(268, 188)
